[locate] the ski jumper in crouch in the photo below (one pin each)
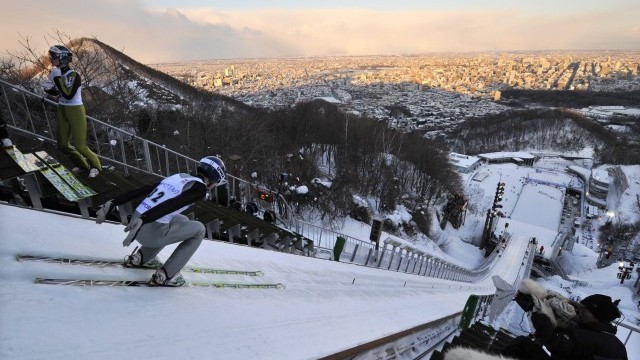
(158, 222)
(163, 224)
(71, 117)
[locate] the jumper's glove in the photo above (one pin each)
(49, 88)
(49, 85)
(133, 228)
(105, 209)
(54, 73)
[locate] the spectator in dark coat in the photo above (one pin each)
(569, 330)
(592, 339)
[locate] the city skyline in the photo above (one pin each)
(155, 31)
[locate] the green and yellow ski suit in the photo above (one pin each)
(71, 126)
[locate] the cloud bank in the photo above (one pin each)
(192, 34)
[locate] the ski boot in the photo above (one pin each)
(160, 279)
(135, 261)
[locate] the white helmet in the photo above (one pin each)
(60, 53)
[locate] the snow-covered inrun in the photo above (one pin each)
(326, 306)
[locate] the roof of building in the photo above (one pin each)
(506, 154)
(462, 160)
(584, 173)
(330, 99)
(600, 175)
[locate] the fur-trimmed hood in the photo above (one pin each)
(530, 287)
(462, 353)
(561, 310)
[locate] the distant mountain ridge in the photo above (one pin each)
(160, 88)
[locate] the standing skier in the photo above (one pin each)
(157, 221)
(71, 120)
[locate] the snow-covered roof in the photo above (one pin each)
(480, 176)
(550, 177)
(584, 173)
(601, 175)
(506, 155)
(463, 161)
(606, 111)
(330, 99)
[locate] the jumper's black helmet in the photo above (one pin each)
(213, 168)
(61, 53)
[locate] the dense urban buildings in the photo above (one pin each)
(411, 92)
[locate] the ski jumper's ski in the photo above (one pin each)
(119, 263)
(100, 282)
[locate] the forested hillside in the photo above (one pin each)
(315, 142)
(546, 130)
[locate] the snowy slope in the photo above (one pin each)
(326, 306)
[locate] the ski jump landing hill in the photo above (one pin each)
(326, 307)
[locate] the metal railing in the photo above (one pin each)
(404, 344)
(632, 329)
(34, 115)
(393, 255)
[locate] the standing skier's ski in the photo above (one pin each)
(19, 158)
(59, 183)
(66, 175)
(99, 282)
(116, 263)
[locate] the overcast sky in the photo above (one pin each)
(153, 31)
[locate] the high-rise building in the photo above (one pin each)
(598, 188)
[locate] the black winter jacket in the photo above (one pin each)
(593, 341)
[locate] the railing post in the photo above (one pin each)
(95, 136)
(166, 162)
(26, 107)
(6, 98)
(46, 117)
(406, 269)
(366, 262)
(393, 255)
(381, 253)
(415, 263)
(124, 156)
(147, 155)
(434, 264)
(353, 256)
(421, 264)
(400, 260)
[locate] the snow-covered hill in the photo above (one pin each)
(326, 306)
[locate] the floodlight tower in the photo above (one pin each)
(489, 223)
